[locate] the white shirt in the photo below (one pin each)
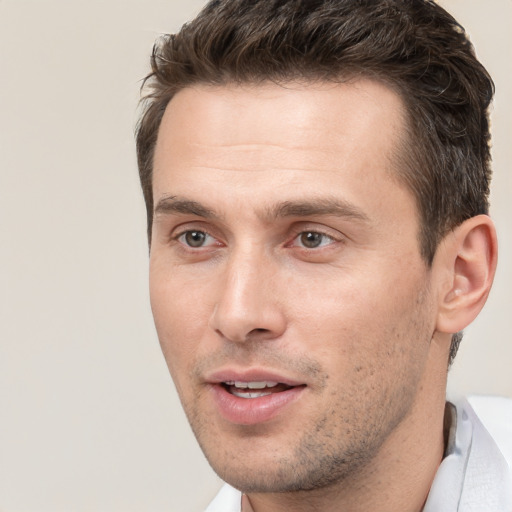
(474, 476)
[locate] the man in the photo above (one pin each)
(316, 175)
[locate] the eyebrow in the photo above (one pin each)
(321, 206)
(173, 204)
(324, 206)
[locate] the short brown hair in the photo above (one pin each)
(414, 46)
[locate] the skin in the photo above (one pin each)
(355, 319)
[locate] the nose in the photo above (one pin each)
(248, 306)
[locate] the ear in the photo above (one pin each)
(468, 261)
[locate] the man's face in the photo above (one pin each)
(289, 294)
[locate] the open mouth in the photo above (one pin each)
(256, 389)
(256, 399)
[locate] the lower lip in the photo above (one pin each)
(250, 411)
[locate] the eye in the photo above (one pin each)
(195, 238)
(313, 239)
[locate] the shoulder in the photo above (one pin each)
(474, 475)
(495, 413)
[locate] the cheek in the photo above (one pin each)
(180, 312)
(366, 317)
(339, 302)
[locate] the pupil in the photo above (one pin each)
(310, 239)
(195, 238)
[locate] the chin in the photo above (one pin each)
(308, 467)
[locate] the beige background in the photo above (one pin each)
(89, 420)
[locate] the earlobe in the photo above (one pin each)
(469, 259)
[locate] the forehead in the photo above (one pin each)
(309, 117)
(283, 139)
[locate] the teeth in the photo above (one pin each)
(251, 395)
(252, 385)
(261, 385)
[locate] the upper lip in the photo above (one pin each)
(249, 375)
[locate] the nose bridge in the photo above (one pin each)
(246, 306)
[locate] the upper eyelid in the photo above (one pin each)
(183, 233)
(193, 225)
(323, 230)
(332, 238)
(294, 230)
(177, 232)
(177, 235)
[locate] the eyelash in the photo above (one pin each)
(180, 237)
(298, 240)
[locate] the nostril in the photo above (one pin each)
(258, 331)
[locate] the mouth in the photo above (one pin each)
(250, 398)
(254, 389)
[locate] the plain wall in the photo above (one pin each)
(89, 420)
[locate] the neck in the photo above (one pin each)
(400, 475)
